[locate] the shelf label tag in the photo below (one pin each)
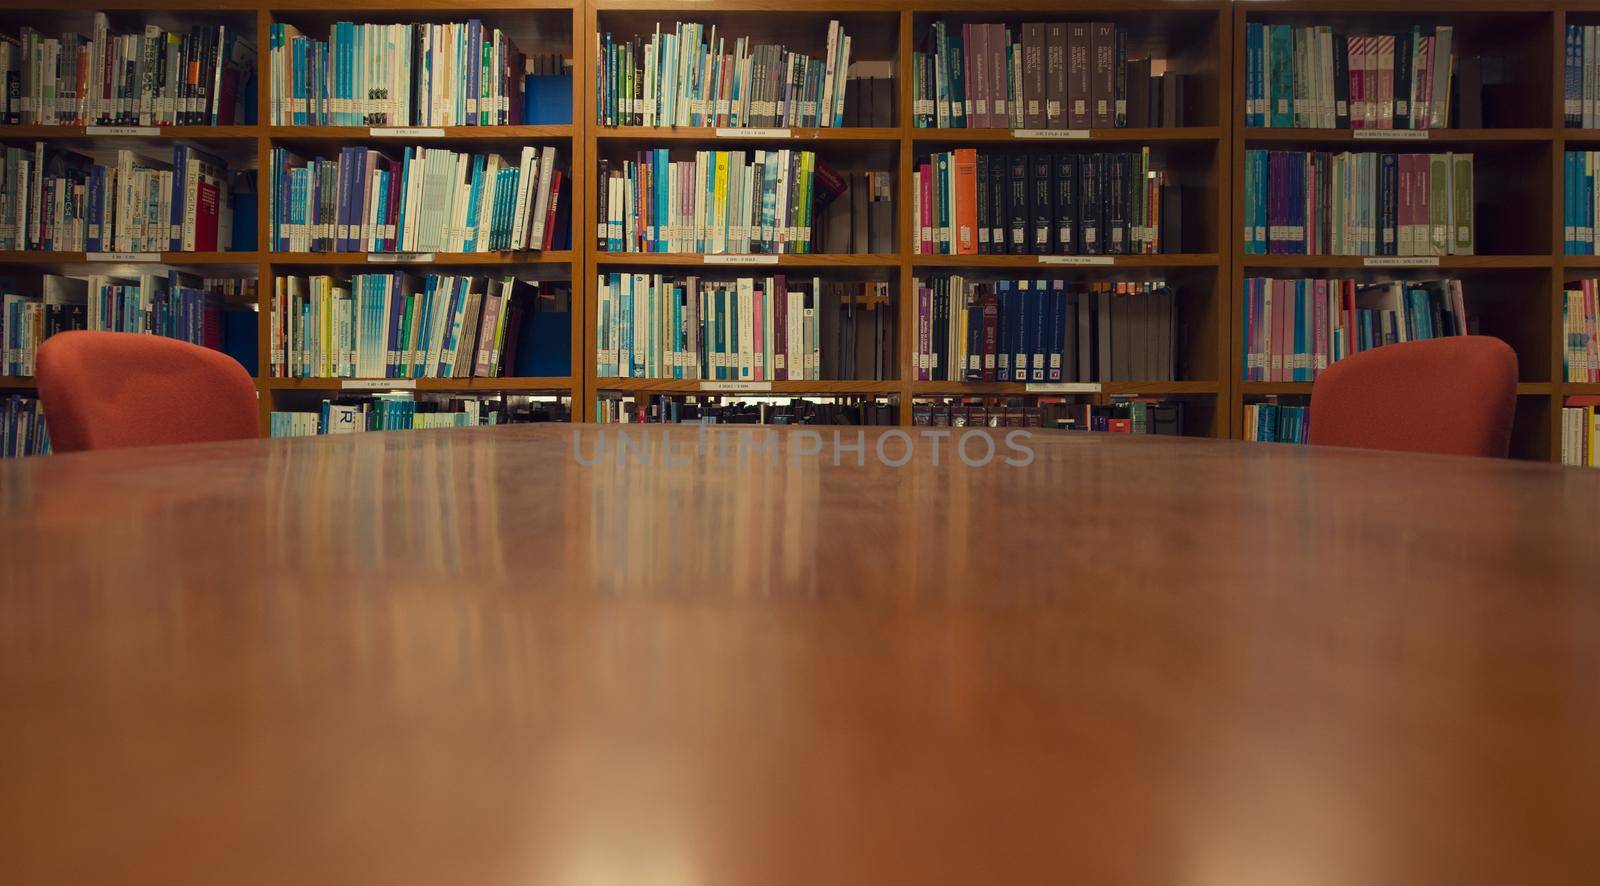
(1400, 261)
(405, 132)
(741, 259)
(1062, 387)
(124, 256)
(736, 386)
(1049, 133)
(378, 384)
(1077, 259)
(744, 132)
(400, 257)
(1413, 135)
(121, 130)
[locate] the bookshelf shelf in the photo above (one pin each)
(1581, 261)
(205, 133)
(1059, 263)
(555, 383)
(735, 136)
(1524, 389)
(737, 262)
(1357, 263)
(695, 386)
(1398, 139)
(17, 382)
(34, 257)
(960, 389)
(407, 135)
(1578, 388)
(554, 257)
(1019, 136)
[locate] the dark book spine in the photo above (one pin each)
(999, 226)
(1017, 202)
(1040, 203)
(1341, 81)
(1119, 86)
(602, 194)
(1103, 49)
(1387, 184)
(973, 371)
(984, 211)
(1116, 200)
(1066, 200)
(1089, 207)
(1402, 80)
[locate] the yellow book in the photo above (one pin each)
(719, 202)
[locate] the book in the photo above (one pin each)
(680, 409)
(1271, 421)
(1296, 328)
(1318, 77)
(23, 431)
(1044, 203)
(1580, 334)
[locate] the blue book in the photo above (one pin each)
(1587, 223)
(547, 100)
(1039, 342)
(1282, 111)
(1253, 78)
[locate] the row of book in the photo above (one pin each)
(1580, 85)
(171, 303)
(382, 412)
(1051, 75)
(691, 76)
(1580, 207)
(22, 427)
(746, 329)
(668, 409)
(151, 77)
(1580, 432)
(400, 325)
(57, 200)
(426, 200)
(719, 202)
(1045, 330)
(972, 202)
(1358, 203)
(1580, 331)
(1272, 422)
(1295, 328)
(857, 211)
(402, 74)
(1315, 77)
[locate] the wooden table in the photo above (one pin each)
(463, 657)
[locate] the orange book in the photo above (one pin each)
(966, 201)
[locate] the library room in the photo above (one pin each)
(1144, 442)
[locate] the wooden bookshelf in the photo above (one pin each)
(1519, 271)
(1514, 282)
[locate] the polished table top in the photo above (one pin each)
(468, 657)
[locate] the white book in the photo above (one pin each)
(541, 206)
(1443, 63)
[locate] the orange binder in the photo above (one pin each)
(966, 201)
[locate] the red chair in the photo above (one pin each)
(1450, 396)
(108, 390)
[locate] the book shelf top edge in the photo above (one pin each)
(757, 135)
(453, 133)
(932, 7)
(552, 383)
(1390, 137)
(1397, 7)
(694, 386)
(1358, 262)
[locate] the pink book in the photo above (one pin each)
(1592, 328)
(1252, 332)
(1421, 82)
(1386, 82)
(1319, 328)
(1374, 88)
(1358, 79)
(925, 184)
(1283, 320)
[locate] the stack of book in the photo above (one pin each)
(1580, 331)
(22, 427)
(1580, 216)
(971, 202)
(1051, 75)
(1296, 328)
(857, 211)
(691, 76)
(420, 74)
(56, 200)
(719, 202)
(1314, 77)
(1318, 203)
(1132, 415)
(668, 409)
(747, 329)
(383, 412)
(170, 303)
(205, 77)
(1045, 331)
(1580, 432)
(1273, 422)
(398, 325)
(426, 200)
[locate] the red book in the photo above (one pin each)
(550, 215)
(780, 327)
(925, 186)
(205, 218)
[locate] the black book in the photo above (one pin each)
(1136, 82)
(999, 225)
(1341, 81)
(1040, 204)
(1017, 202)
(1402, 80)
(1387, 183)
(854, 93)
(1171, 218)
(1090, 206)
(1119, 82)
(1086, 339)
(1116, 205)
(1066, 204)
(985, 246)
(1166, 418)
(973, 371)
(1467, 100)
